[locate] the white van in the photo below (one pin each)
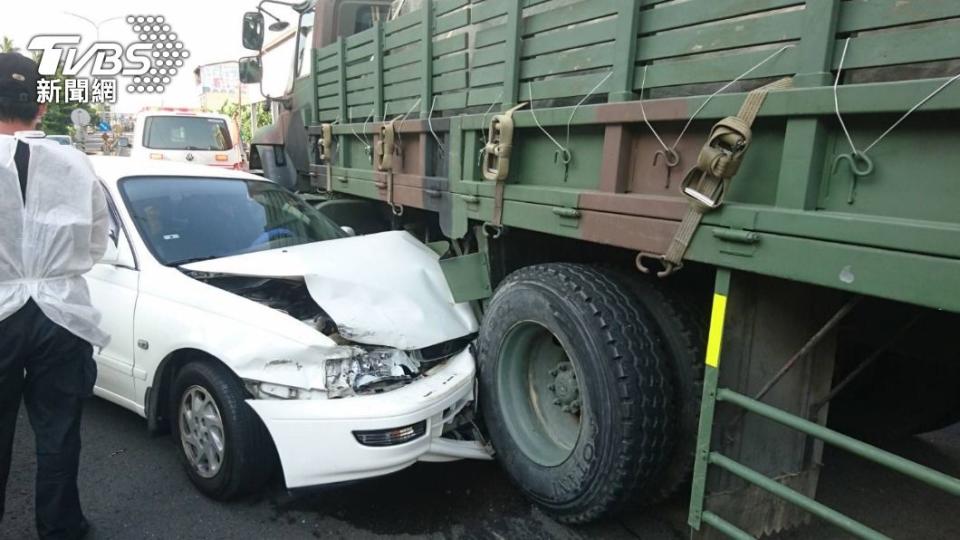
(189, 137)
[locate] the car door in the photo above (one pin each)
(113, 289)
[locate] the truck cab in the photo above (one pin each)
(276, 31)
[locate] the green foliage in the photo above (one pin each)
(6, 45)
(242, 116)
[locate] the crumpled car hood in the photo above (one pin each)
(385, 289)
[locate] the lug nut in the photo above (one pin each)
(554, 372)
(552, 387)
(564, 367)
(556, 401)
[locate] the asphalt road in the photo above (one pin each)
(133, 487)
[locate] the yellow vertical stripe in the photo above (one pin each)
(717, 316)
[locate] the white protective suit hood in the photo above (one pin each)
(48, 242)
(385, 289)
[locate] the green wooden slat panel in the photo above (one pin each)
(357, 70)
(327, 115)
(489, 55)
(487, 75)
(488, 10)
(406, 37)
(402, 90)
(446, 102)
(450, 81)
(328, 77)
(857, 15)
(565, 87)
(360, 83)
(330, 51)
(572, 14)
(729, 35)
(326, 64)
(449, 45)
(934, 42)
(490, 36)
(403, 58)
(328, 102)
(486, 96)
(441, 7)
(401, 23)
(590, 57)
(683, 14)
(362, 97)
(450, 63)
(364, 53)
(717, 68)
(410, 72)
(451, 22)
(325, 90)
(399, 107)
(579, 36)
(361, 38)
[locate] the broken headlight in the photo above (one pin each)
(376, 370)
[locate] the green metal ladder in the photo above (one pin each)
(706, 458)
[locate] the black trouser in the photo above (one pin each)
(53, 371)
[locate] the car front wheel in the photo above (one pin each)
(223, 445)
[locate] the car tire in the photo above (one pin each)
(585, 462)
(243, 456)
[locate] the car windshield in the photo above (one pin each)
(185, 220)
(186, 133)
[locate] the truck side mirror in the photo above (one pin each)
(251, 70)
(253, 30)
(123, 142)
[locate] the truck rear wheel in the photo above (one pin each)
(682, 319)
(575, 390)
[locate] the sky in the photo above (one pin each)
(209, 29)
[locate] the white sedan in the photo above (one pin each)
(254, 329)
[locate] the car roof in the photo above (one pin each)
(110, 169)
(183, 114)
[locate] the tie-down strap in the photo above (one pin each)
(719, 161)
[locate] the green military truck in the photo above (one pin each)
(706, 236)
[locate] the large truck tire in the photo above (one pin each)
(575, 390)
(682, 318)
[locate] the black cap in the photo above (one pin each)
(18, 79)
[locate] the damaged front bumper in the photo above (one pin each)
(324, 441)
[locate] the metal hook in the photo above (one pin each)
(563, 156)
(860, 164)
(671, 158)
(668, 267)
(492, 231)
(397, 209)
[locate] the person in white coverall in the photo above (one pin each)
(53, 228)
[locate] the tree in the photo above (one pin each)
(7, 45)
(242, 116)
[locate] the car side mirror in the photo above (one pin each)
(118, 251)
(253, 30)
(123, 142)
(251, 70)
(350, 231)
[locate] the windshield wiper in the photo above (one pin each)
(191, 260)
